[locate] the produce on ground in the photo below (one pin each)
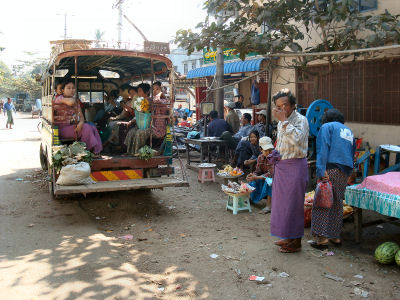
(386, 252)
(397, 258)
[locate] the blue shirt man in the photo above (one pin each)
(245, 129)
(217, 126)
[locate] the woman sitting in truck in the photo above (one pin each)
(119, 125)
(69, 118)
(137, 138)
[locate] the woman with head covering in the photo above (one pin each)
(335, 152)
(261, 178)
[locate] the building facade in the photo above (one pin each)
(366, 89)
(183, 63)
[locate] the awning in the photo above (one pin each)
(251, 65)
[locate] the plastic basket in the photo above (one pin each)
(142, 119)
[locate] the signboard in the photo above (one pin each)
(156, 47)
(210, 56)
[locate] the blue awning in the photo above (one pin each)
(251, 65)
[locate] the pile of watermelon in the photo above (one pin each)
(387, 253)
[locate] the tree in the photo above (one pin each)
(22, 79)
(293, 27)
(98, 37)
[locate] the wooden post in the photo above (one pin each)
(187, 153)
(76, 93)
(358, 224)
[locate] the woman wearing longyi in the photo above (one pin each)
(71, 123)
(291, 174)
(335, 152)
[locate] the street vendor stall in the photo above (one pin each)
(379, 193)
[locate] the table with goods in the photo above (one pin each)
(238, 196)
(229, 173)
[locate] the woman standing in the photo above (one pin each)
(291, 174)
(335, 153)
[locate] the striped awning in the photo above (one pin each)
(251, 65)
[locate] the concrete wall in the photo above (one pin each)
(376, 135)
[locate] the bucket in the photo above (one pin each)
(142, 119)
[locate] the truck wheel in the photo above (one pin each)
(43, 159)
(51, 183)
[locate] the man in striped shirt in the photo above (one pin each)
(291, 174)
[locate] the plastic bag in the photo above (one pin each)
(76, 174)
(323, 194)
(255, 93)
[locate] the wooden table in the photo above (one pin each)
(205, 143)
(382, 203)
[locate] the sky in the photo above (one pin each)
(29, 25)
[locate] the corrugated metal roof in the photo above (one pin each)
(250, 65)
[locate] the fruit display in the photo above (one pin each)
(397, 258)
(229, 171)
(347, 209)
(386, 252)
(236, 188)
(309, 198)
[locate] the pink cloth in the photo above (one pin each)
(388, 183)
(89, 135)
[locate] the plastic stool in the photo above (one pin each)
(206, 174)
(237, 203)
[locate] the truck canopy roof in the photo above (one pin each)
(128, 64)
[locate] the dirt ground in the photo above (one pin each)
(72, 248)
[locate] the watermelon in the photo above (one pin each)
(397, 258)
(386, 252)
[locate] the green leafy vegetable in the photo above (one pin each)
(145, 153)
(72, 154)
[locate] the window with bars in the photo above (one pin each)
(365, 5)
(364, 91)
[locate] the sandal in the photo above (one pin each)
(336, 244)
(319, 246)
(288, 249)
(281, 243)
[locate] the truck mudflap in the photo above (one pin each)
(120, 185)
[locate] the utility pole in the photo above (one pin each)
(118, 5)
(119, 25)
(219, 76)
(65, 24)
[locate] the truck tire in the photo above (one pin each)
(43, 159)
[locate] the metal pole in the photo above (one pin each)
(65, 26)
(119, 24)
(219, 78)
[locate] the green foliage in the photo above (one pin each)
(291, 23)
(145, 153)
(21, 79)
